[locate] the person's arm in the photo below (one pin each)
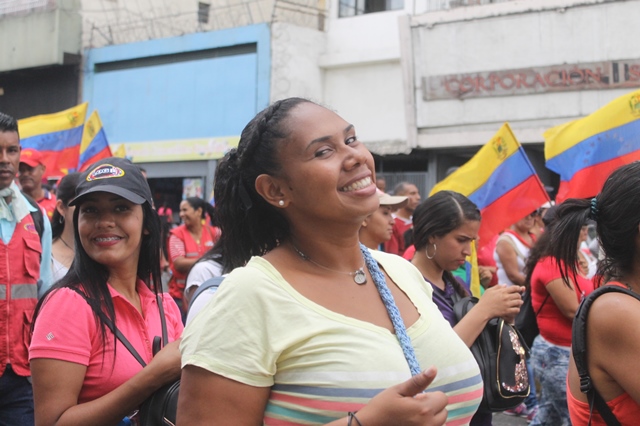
(486, 275)
(613, 344)
(210, 399)
(497, 301)
(177, 253)
(564, 297)
(183, 264)
(57, 384)
(509, 259)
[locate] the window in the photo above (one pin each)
(360, 7)
(203, 12)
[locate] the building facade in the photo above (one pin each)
(425, 82)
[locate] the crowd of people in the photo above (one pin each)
(337, 305)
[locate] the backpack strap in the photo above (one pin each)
(213, 282)
(36, 216)
(579, 350)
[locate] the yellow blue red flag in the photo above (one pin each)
(94, 144)
(584, 152)
(57, 136)
(501, 181)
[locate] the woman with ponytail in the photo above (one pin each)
(554, 302)
(613, 336)
(444, 226)
(188, 243)
(311, 327)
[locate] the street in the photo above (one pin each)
(500, 419)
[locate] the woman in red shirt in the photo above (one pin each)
(189, 242)
(555, 302)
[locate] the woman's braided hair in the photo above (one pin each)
(250, 226)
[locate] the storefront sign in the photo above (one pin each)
(560, 78)
(176, 150)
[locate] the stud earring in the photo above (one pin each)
(281, 203)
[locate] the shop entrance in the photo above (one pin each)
(167, 192)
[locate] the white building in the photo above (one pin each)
(425, 82)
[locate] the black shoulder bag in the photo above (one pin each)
(579, 350)
(500, 352)
(161, 407)
(526, 320)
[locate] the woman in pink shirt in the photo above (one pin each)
(81, 373)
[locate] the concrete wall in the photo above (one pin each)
(363, 76)
(40, 38)
(513, 35)
(295, 53)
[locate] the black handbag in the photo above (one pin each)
(526, 320)
(161, 407)
(500, 351)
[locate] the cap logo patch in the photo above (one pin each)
(105, 171)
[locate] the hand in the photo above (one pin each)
(502, 301)
(486, 274)
(405, 404)
(165, 365)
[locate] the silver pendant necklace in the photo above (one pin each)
(359, 276)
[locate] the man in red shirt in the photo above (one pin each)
(30, 176)
(403, 218)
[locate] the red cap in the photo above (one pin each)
(31, 157)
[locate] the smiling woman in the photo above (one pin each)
(294, 334)
(81, 373)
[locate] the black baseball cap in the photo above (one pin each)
(116, 176)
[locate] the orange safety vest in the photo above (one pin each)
(19, 272)
(210, 235)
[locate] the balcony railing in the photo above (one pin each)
(434, 5)
(8, 7)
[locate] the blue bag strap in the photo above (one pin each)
(392, 310)
(213, 282)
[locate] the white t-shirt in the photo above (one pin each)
(202, 271)
(522, 253)
(58, 270)
(197, 304)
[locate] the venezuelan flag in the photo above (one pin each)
(584, 152)
(501, 181)
(94, 144)
(57, 136)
